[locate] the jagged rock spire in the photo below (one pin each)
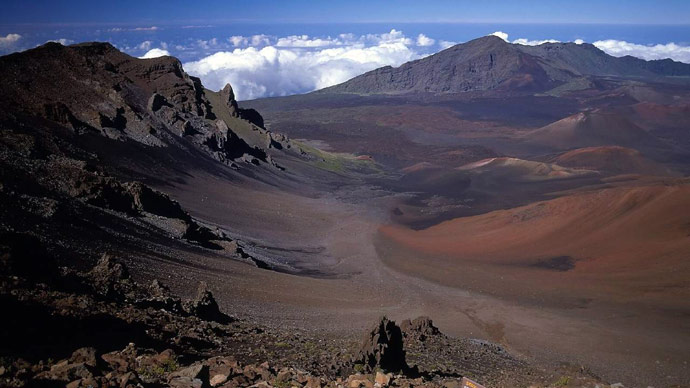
(228, 96)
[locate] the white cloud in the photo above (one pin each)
(145, 45)
(300, 63)
(423, 40)
(238, 40)
(528, 42)
(9, 40)
(155, 53)
(578, 41)
(306, 41)
(500, 34)
(120, 29)
(259, 40)
(152, 28)
(619, 48)
(62, 41)
(523, 41)
(444, 44)
(392, 37)
(207, 44)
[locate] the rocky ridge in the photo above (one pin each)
(490, 63)
(92, 88)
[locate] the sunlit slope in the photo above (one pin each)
(619, 229)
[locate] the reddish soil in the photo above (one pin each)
(612, 159)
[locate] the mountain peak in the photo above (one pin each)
(491, 63)
(488, 39)
(488, 42)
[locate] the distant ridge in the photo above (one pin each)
(490, 63)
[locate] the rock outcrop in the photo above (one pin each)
(149, 101)
(383, 348)
(419, 328)
(205, 306)
(227, 96)
(109, 278)
(102, 328)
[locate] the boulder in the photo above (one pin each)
(151, 201)
(86, 356)
(159, 297)
(382, 379)
(196, 375)
(419, 328)
(359, 381)
(66, 372)
(157, 289)
(123, 360)
(194, 371)
(109, 278)
(185, 382)
(217, 380)
(383, 348)
(204, 306)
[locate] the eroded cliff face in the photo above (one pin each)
(94, 88)
(85, 129)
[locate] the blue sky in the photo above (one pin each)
(329, 11)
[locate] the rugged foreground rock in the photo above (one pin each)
(100, 327)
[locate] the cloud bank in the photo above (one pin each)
(261, 65)
(524, 41)
(619, 48)
(264, 65)
(9, 40)
(155, 53)
(121, 29)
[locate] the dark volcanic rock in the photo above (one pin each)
(419, 328)
(205, 306)
(160, 298)
(253, 116)
(149, 101)
(110, 278)
(151, 201)
(228, 97)
(86, 356)
(383, 348)
(23, 254)
(132, 198)
(156, 102)
(196, 375)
